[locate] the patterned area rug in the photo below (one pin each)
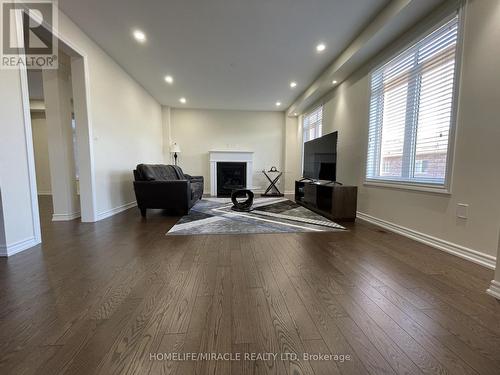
(268, 215)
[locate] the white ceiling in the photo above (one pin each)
(223, 54)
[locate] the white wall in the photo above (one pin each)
(200, 131)
(41, 148)
(3, 245)
(125, 120)
(494, 289)
(19, 229)
(292, 152)
(476, 177)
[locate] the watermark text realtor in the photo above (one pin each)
(26, 35)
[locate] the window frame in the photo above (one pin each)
(446, 186)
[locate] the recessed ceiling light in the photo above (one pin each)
(139, 36)
(295, 113)
(278, 104)
(334, 82)
(293, 84)
(169, 79)
(183, 100)
(320, 47)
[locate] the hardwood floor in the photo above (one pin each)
(105, 298)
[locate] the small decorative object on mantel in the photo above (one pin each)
(175, 149)
(272, 190)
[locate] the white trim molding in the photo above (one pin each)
(66, 217)
(17, 247)
(108, 213)
(494, 289)
(475, 256)
(412, 187)
(30, 154)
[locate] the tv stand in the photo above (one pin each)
(334, 201)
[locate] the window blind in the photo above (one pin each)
(411, 111)
(312, 124)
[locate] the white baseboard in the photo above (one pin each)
(66, 217)
(105, 214)
(262, 191)
(494, 289)
(16, 247)
(44, 192)
(449, 247)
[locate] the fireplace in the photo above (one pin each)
(230, 176)
(232, 157)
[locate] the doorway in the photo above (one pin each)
(61, 155)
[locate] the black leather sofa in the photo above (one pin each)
(166, 187)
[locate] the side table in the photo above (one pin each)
(272, 190)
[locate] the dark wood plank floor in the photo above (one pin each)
(102, 298)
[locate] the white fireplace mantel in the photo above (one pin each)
(229, 156)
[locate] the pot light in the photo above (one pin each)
(183, 100)
(139, 36)
(169, 79)
(295, 113)
(293, 84)
(334, 82)
(320, 47)
(278, 104)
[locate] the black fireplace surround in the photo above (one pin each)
(230, 176)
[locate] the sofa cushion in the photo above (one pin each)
(158, 172)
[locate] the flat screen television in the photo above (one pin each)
(320, 158)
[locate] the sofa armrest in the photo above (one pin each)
(194, 178)
(155, 194)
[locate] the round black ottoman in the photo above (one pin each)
(244, 206)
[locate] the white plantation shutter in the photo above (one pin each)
(312, 124)
(411, 111)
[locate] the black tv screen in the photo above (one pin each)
(320, 158)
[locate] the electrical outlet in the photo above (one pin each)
(462, 209)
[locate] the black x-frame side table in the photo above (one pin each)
(272, 185)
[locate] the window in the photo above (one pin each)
(412, 112)
(312, 124)
(421, 166)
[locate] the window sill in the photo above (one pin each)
(413, 187)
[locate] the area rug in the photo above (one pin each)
(268, 215)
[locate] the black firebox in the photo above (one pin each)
(230, 176)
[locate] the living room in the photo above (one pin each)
(251, 187)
